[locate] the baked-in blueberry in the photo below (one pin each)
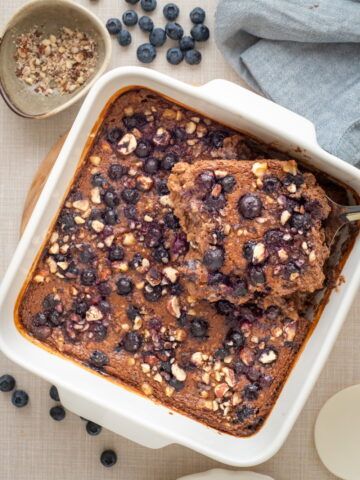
(88, 277)
(174, 30)
(110, 198)
(171, 11)
(161, 187)
(146, 24)
(57, 413)
(114, 135)
(186, 43)
(239, 287)
(7, 383)
(224, 307)
(176, 384)
(130, 195)
(214, 259)
(124, 286)
(200, 33)
(250, 206)
(193, 57)
(152, 294)
(217, 137)
(161, 254)
(171, 221)
(199, 327)
(197, 15)
(206, 180)
(234, 338)
(243, 413)
(124, 38)
(132, 342)
(113, 26)
(110, 216)
(215, 203)
(108, 458)
(143, 149)
(169, 160)
(157, 37)
(97, 180)
(148, 5)
(228, 183)
(92, 428)
(256, 275)
(270, 183)
(100, 331)
(132, 312)
(130, 18)
(146, 53)
(251, 391)
(99, 359)
(130, 212)
(116, 171)
(19, 398)
(301, 221)
(116, 253)
(54, 394)
(138, 120)
(151, 165)
(273, 312)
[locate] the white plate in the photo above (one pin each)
(337, 434)
(219, 474)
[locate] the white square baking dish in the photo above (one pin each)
(120, 409)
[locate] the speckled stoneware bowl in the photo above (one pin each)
(50, 15)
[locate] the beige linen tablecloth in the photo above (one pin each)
(32, 445)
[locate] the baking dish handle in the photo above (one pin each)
(118, 423)
(258, 107)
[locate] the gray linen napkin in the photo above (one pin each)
(304, 55)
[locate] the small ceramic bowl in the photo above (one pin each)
(50, 16)
(220, 474)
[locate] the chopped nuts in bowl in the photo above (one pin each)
(51, 52)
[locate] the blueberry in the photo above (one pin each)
(132, 312)
(143, 149)
(100, 332)
(111, 199)
(54, 394)
(130, 195)
(7, 383)
(171, 221)
(124, 38)
(217, 278)
(186, 43)
(97, 180)
(175, 289)
(138, 120)
(289, 269)
(152, 294)
(197, 15)
(193, 57)
(171, 11)
(217, 137)
(213, 259)
(148, 5)
(66, 221)
(111, 217)
(270, 183)
(224, 307)
(86, 254)
(245, 314)
(136, 261)
(176, 384)
(174, 56)
(57, 413)
(273, 312)
(114, 135)
(130, 212)
(250, 206)
(206, 180)
(157, 37)
(200, 33)
(93, 429)
(153, 236)
(130, 18)
(151, 165)
(39, 319)
(301, 222)
(108, 458)
(234, 338)
(132, 342)
(179, 134)
(256, 275)
(161, 254)
(113, 26)
(146, 53)
(104, 306)
(228, 183)
(251, 391)
(239, 287)
(168, 161)
(161, 187)
(174, 30)
(215, 203)
(99, 359)
(221, 353)
(297, 179)
(104, 288)
(19, 398)
(116, 171)
(132, 2)
(248, 250)
(243, 413)
(146, 24)
(199, 327)
(274, 238)
(124, 286)
(88, 277)
(116, 253)
(56, 318)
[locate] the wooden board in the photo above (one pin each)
(39, 181)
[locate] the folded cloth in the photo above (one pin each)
(304, 55)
